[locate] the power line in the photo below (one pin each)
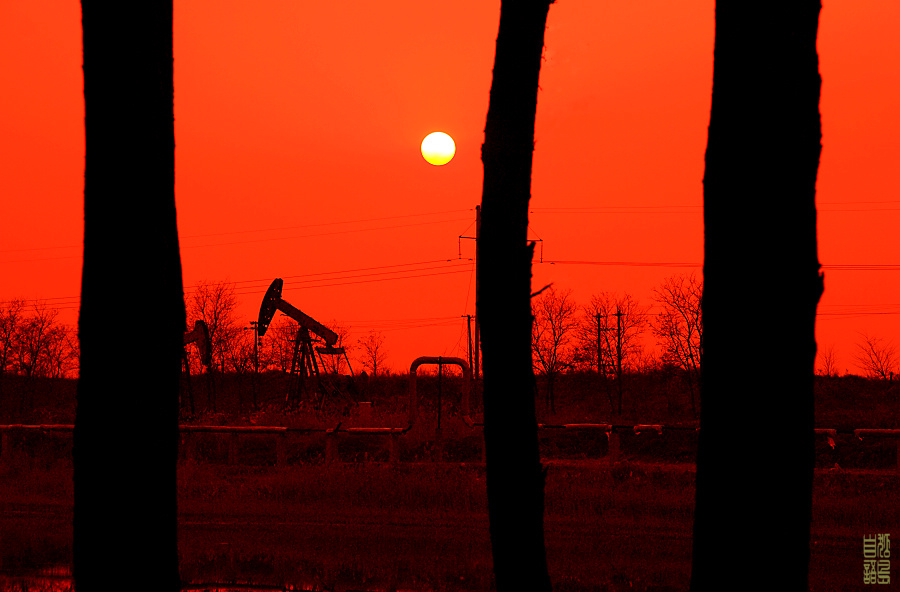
(75, 304)
(378, 219)
(622, 263)
(408, 326)
(834, 203)
(265, 281)
(259, 240)
(453, 264)
(886, 267)
(367, 281)
(835, 267)
(352, 276)
(695, 208)
(400, 324)
(318, 234)
(332, 223)
(621, 210)
(430, 261)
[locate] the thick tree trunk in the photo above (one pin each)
(761, 289)
(132, 307)
(515, 480)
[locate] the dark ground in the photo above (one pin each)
(373, 526)
(364, 524)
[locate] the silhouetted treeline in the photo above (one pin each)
(34, 343)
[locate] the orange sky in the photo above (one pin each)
(298, 128)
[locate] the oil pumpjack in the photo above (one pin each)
(306, 382)
(200, 336)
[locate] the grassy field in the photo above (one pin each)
(364, 524)
(622, 526)
(659, 396)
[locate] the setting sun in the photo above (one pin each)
(438, 148)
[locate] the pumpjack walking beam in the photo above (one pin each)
(303, 365)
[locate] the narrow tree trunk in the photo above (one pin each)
(761, 290)
(132, 310)
(515, 480)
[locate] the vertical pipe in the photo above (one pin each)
(412, 404)
(469, 337)
(619, 354)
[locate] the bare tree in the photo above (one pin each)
(62, 352)
(876, 357)
(279, 344)
(34, 345)
(609, 335)
(215, 303)
(238, 352)
(553, 335)
(679, 327)
(829, 361)
(760, 274)
(11, 320)
(37, 333)
(337, 364)
(240, 358)
(373, 354)
(126, 447)
(515, 477)
(646, 362)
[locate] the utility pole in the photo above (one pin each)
(474, 350)
(601, 365)
(477, 348)
(254, 326)
(469, 338)
(619, 315)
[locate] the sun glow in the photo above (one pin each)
(438, 148)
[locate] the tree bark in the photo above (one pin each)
(515, 479)
(132, 315)
(761, 288)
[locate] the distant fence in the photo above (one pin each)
(188, 444)
(391, 436)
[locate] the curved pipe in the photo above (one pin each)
(439, 360)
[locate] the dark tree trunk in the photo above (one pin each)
(515, 480)
(132, 307)
(761, 289)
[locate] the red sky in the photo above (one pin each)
(298, 128)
